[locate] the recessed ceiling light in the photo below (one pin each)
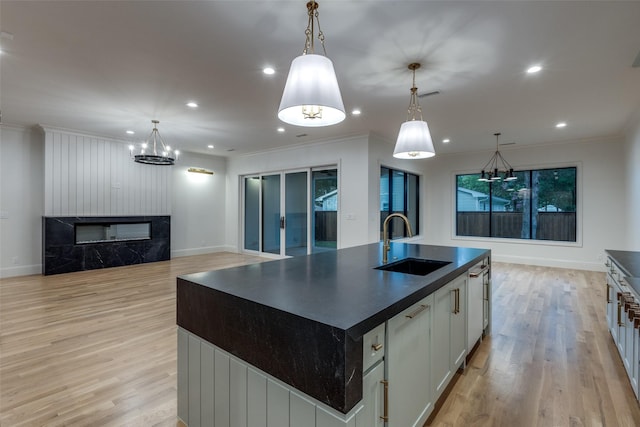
(209, 146)
(561, 125)
(446, 140)
(130, 132)
(534, 69)
(356, 112)
(280, 130)
(268, 70)
(192, 104)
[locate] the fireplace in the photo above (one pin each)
(87, 243)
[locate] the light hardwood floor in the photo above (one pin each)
(98, 348)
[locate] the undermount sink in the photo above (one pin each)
(417, 266)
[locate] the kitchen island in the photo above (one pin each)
(301, 323)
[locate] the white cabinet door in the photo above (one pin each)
(475, 307)
(408, 365)
(611, 308)
(635, 360)
(441, 333)
(486, 312)
(449, 332)
(372, 398)
(458, 331)
(620, 332)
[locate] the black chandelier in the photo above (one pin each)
(154, 151)
(497, 165)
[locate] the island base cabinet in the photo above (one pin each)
(408, 365)
(449, 332)
(372, 414)
(217, 389)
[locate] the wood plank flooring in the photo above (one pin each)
(94, 348)
(98, 348)
(550, 360)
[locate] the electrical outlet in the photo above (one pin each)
(14, 260)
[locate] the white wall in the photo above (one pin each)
(90, 176)
(381, 154)
(632, 179)
(198, 206)
(21, 200)
(62, 173)
(351, 156)
(206, 215)
(601, 198)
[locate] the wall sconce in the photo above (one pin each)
(200, 170)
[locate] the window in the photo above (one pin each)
(539, 205)
(399, 193)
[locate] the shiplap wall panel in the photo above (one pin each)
(222, 385)
(90, 176)
(194, 393)
(183, 376)
(256, 399)
(237, 393)
(207, 384)
(242, 396)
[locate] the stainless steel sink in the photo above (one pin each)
(417, 266)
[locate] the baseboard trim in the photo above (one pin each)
(201, 251)
(22, 270)
(546, 262)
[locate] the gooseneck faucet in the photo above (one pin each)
(385, 233)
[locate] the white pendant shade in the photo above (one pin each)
(311, 85)
(414, 141)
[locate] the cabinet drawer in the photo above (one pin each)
(372, 347)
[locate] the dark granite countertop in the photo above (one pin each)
(302, 319)
(629, 263)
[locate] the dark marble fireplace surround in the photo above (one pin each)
(61, 254)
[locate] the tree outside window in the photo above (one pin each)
(539, 205)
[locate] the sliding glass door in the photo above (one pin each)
(291, 213)
(271, 214)
(325, 210)
(296, 213)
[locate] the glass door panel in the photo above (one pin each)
(296, 213)
(271, 214)
(325, 210)
(252, 213)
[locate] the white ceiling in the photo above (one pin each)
(103, 67)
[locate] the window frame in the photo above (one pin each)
(405, 211)
(519, 240)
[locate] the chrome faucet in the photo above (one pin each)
(385, 232)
